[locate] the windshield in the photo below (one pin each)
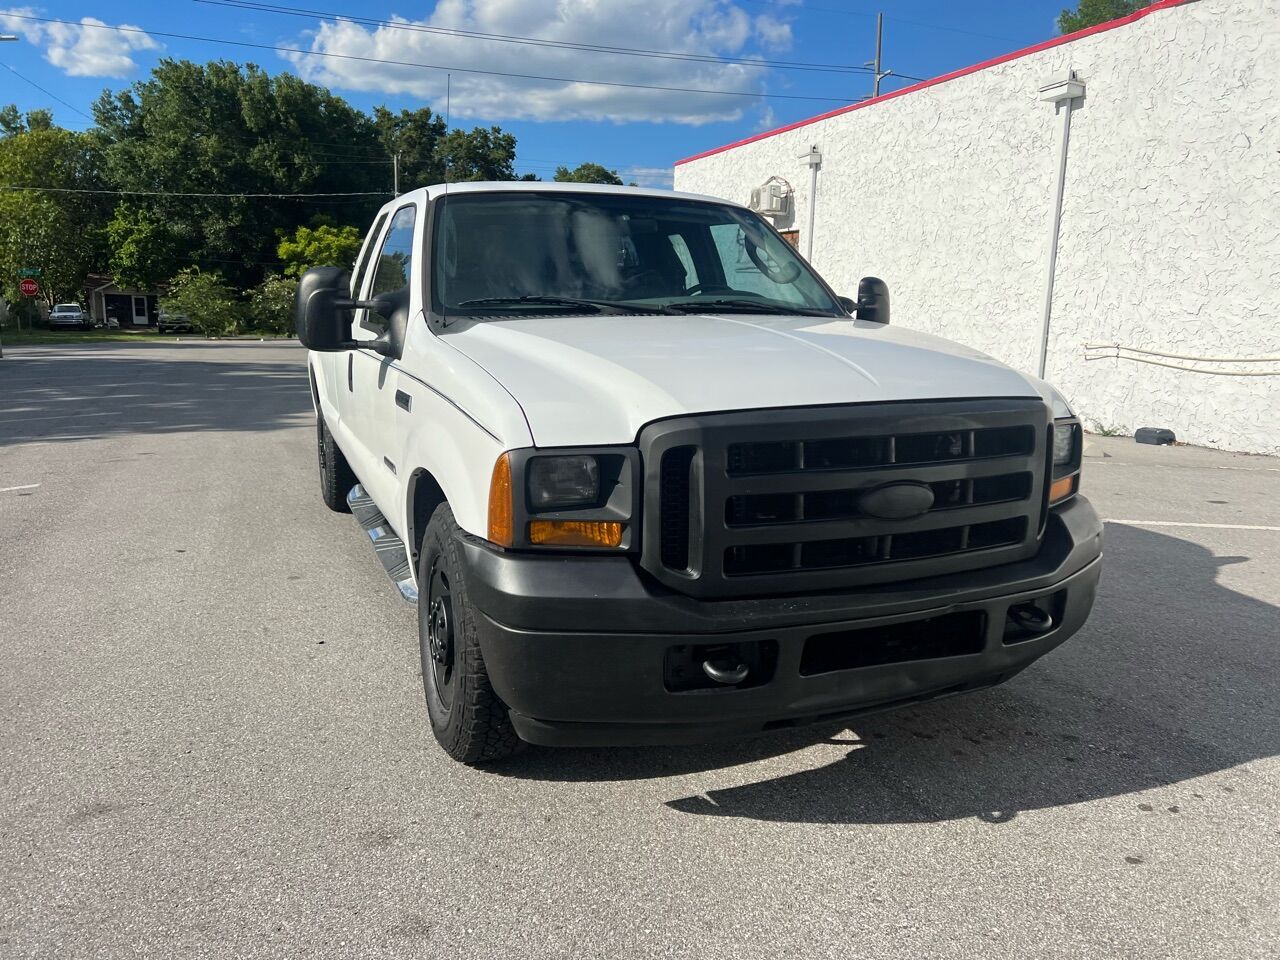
(497, 252)
(66, 307)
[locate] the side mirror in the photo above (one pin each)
(873, 300)
(322, 312)
(321, 325)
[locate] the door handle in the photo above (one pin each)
(403, 400)
(351, 360)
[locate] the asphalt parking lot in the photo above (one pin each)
(213, 742)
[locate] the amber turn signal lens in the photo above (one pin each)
(1061, 489)
(501, 522)
(575, 533)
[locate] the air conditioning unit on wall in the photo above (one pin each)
(772, 198)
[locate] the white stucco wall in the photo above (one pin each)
(1170, 235)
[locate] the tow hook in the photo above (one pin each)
(727, 672)
(1031, 618)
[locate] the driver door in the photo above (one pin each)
(373, 376)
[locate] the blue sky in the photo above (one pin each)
(640, 132)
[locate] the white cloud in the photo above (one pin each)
(773, 32)
(715, 27)
(81, 49)
(662, 177)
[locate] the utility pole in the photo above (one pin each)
(395, 164)
(878, 72)
(875, 84)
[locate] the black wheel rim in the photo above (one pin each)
(439, 647)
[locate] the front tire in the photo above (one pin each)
(468, 719)
(336, 476)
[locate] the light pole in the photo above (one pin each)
(1065, 91)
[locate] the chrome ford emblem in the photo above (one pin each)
(896, 501)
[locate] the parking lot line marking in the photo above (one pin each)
(25, 486)
(1181, 523)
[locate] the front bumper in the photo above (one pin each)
(576, 646)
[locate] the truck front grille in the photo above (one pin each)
(769, 501)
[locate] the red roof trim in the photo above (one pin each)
(962, 72)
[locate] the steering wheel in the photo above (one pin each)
(778, 273)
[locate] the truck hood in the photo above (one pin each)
(586, 380)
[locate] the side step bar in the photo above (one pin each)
(389, 549)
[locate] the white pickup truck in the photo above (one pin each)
(649, 480)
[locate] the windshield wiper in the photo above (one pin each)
(744, 306)
(618, 306)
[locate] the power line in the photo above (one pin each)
(293, 51)
(791, 7)
(539, 41)
(174, 193)
(970, 33)
(46, 92)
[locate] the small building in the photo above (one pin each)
(127, 306)
(1100, 205)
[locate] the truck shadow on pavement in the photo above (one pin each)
(122, 390)
(1173, 678)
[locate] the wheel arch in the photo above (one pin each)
(424, 494)
(315, 389)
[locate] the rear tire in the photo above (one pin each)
(336, 476)
(468, 719)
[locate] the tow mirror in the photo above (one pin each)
(322, 312)
(873, 300)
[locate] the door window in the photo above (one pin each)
(394, 265)
(392, 268)
(357, 278)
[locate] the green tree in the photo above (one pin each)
(143, 250)
(12, 121)
(588, 173)
(48, 227)
(416, 136)
(478, 154)
(271, 304)
(224, 128)
(206, 299)
(318, 247)
(1091, 12)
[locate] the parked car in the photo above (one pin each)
(650, 480)
(174, 323)
(68, 316)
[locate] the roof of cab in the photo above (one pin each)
(544, 186)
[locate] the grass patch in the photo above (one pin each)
(12, 338)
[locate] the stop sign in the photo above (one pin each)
(29, 288)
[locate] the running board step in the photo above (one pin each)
(387, 547)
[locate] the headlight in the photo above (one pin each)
(1064, 443)
(1067, 448)
(557, 482)
(577, 499)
